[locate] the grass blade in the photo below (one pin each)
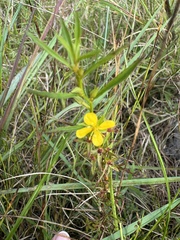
(75, 186)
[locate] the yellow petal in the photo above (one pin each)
(97, 138)
(83, 132)
(107, 124)
(90, 119)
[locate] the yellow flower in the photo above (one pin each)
(94, 128)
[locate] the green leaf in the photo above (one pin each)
(119, 78)
(68, 38)
(104, 60)
(48, 50)
(67, 47)
(52, 94)
(89, 54)
(77, 33)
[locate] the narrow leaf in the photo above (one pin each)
(103, 60)
(77, 32)
(52, 94)
(89, 54)
(66, 46)
(119, 78)
(49, 50)
(68, 38)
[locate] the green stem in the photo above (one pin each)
(80, 83)
(91, 106)
(113, 204)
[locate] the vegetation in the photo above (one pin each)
(89, 128)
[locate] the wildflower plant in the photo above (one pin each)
(98, 130)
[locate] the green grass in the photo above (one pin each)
(111, 58)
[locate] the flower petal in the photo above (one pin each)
(107, 124)
(83, 132)
(90, 119)
(97, 138)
